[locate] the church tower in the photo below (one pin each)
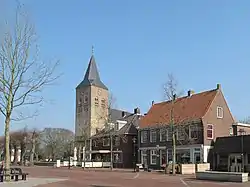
(91, 102)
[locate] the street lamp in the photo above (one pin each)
(134, 155)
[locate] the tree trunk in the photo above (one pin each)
(32, 153)
(15, 155)
(174, 153)
(7, 147)
(22, 155)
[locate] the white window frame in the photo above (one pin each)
(168, 137)
(221, 110)
(143, 132)
(231, 131)
(151, 136)
(212, 131)
(144, 154)
(165, 134)
(153, 153)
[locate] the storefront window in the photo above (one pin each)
(183, 156)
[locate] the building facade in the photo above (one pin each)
(118, 141)
(232, 153)
(197, 119)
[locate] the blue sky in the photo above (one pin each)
(137, 43)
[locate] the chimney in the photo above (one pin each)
(153, 102)
(137, 111)
(123, 114)
(218, 86)
(190, 93)
(174, 97)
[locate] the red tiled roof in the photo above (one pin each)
(185, 109)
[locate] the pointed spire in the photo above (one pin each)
(92, 77)
(92, 52)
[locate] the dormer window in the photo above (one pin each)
(219, 112)
(117, 126)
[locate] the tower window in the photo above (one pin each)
(103, 103)
(96, 101)
(86, 108)
(79, 109)
(80, 101)
(85, 99)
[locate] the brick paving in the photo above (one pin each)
(88, 178)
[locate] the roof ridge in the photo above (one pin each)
(184, 97)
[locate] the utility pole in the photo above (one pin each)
(173, 135)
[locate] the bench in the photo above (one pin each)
(19, 172)
(14, 174)
(222, 176)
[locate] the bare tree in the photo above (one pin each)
(81, 139)
(19, 140)
(246, 120)
(22, 75)
(170, 93)
(56, 141)
(179, 129)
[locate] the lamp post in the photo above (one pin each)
(134, 155)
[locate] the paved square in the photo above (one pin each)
(62, 177)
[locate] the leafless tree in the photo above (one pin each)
(56, 141)
(246, 120)
(22, 75)
(19, 140)
(81, 141)
(171, 88)
(179, 129)
(109, 130)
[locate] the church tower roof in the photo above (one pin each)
(92, 77)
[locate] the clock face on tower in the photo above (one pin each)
(99, 92)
